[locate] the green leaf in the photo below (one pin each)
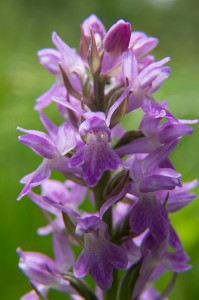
(94, 60)
(87, 92)
(68, 85)
(129, 137)
(122, 231)
(116, 184)
(80, 286)
(128, 282)
(119, 113)
(70, 227)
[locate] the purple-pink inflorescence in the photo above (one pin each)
(127, 176)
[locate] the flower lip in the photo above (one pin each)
(91, 224)
(97, 136)
(99, 256)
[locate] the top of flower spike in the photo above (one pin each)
(98, 47)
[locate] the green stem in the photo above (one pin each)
(108, 220)
(111, 294)
(99, 190)
(99, 93)
(100, 199)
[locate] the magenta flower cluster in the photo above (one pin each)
(119, 186)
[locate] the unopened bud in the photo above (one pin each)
(117, 38)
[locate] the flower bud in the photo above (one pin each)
(117, 38)
(37, 267)
(94, 24)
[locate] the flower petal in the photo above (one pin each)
(81, 266)
(50, 59)
(129, 67)
(66, 139)
(148, 213)
(35, 178)
(40, 145)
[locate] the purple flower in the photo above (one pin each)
(99, 256)
(93, 23)
(159, 127)
(96, 156)
(148, 213)
(158, 259)
(148, 175)
(179, 197)
(147, 178)
(141, 44)
(45, 273)
(37, 267)
(69, 194)
(144, 82)
(52, 146)
(71, 63)
(91, 26)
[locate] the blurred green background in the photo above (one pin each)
(26, 26)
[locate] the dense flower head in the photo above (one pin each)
(118, 186)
